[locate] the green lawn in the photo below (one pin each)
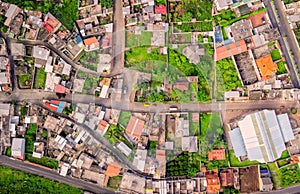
(209, 123)
(140, 54)
(40, 79)
(194, 126)
(235, 162)
(195, 27)
(285, 154)
(124, 118)
(114, 182)
(281, 68)
(275, 174)
(30, 138)
(275, 54)
(131, 40)
(44, 161)
(24, 78)
(15, 181)
(145, 38)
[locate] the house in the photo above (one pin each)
(105, 83)
(102, 127)
(223, 4)
(60, 89)
(250, 179)
(124, 148)
(227, 177)
(213, 181)
(161, 9)
(4, 109)
(91, 44)
(241, 29)
(231, 49)
(258, 19)
(181, 127)
(11, 13)
(193, 53)
(18, 148)
(217, 154)
(94, 177)
(139, 160)
(267, 184)
(266, 66)
(161, 156)
(51, 24)
(135, 127)
(133, 183)
(261, 136)
(181, 85)
(40, 53)
(113, 169)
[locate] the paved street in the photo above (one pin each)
(118, 39)
(16, 164)
(284, 29)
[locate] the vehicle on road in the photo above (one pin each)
(282, 106)
(146, 104)
(173, 108)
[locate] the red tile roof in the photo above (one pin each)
(113, 169)
(213, 182)
(266, 66)
(51, 107)
(231, 49)
(60, 89)
(258, 19)
(90, 41)
(102, 125)
(135, 127)
(227, 178)
(217, 154)
(161, 9)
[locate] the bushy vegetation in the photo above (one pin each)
(90, 60)
(224, 16)
(184, 164)
(281, 68)
(185, 11)
(227, 77)
(289, 176)
(68, 110)
(15, 181)
(114, 182)
(107, 3)
(44, 161)
(54, 6)
(30, 136)
(195, 27)
(115, 134)
(275, 55)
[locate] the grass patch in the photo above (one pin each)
(275, 174)
(194, 126)
(40, 79)
(8, 151)
(131, 40)
(15, 181)
(235, 162)
(275, 54)
(30, 136)
(90, 60)
(124, 118)
(209, 123)
(195, 27)
(44, 161)
(114, 182)
(281, 68)
(145, 38)
(116, 134)
(282, 163)
(91, 82)
(140, 54)
(285, 154)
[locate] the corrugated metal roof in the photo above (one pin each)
(237, 142)
(286, 128)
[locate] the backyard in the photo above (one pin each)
(195, 27)
(275, 54)
(124, 118)
(90, 84)
(227, 78)
(90, 60)
(114, 182)
(115, 134)
(281, 68)
(30, 136)
(40, 78)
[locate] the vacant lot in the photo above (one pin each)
(15, 181)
